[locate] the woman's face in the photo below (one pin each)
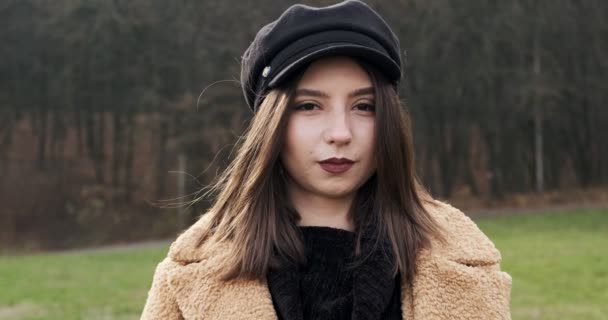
(330, 135)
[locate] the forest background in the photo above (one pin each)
(112, 111)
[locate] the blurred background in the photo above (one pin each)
(114, 112)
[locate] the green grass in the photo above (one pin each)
(110, 284)
(558, 261)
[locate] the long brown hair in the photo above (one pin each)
(251, 208)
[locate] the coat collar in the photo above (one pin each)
(444, 277)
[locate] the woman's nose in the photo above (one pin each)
(338, 129)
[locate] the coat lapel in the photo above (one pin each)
(459, 278)
(201, 295)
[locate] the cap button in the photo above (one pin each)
(266, 72)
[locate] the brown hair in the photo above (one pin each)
(251, 207)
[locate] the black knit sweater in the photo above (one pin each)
(328, 287)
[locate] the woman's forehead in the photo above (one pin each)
(329, 74)
(323, 94)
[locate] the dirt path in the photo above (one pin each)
(496, 212)
(122, 246)
(111, 247)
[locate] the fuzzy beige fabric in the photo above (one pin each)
(457, 280)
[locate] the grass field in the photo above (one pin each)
(558, 261)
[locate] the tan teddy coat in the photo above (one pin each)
(459, 280)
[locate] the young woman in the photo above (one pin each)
(321, 215)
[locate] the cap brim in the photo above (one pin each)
(379, 58)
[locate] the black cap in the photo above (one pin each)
(303, 33)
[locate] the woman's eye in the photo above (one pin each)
(366, 107)
(306, 106)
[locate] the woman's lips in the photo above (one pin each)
(336, 165)
(336, 168)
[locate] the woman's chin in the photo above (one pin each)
(336, 192)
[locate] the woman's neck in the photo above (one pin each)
(315, 210)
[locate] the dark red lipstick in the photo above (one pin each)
(336, 165)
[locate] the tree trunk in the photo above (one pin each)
(42, 125)
(538, 120)
(129, 157)
(161, 165)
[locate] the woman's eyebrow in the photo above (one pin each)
(318, 93)
(361, 92)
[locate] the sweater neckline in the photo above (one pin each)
(326, 229)
(372, 278)
(326, 233)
